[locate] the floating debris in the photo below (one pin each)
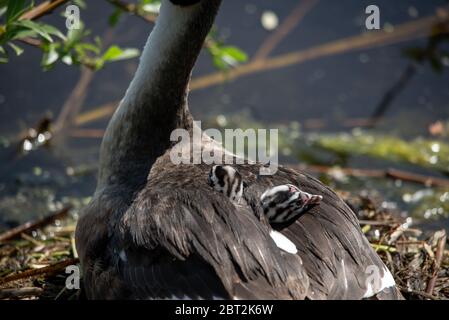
(36, 137)
(427, 153)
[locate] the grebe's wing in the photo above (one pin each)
(190, 242)
(338, 258)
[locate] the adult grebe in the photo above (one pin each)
(153, 231)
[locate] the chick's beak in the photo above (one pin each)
(310, 199)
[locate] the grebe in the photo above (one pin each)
(154, 231)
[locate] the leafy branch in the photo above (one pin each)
(223, 56)
(18, 26)
(71, 48)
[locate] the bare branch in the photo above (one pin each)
(42, 9)
(50, 270)
(30, 226)
(284, 29)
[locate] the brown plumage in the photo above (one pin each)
(155, 230)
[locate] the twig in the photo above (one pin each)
(419, 293)
(87, 133)
(417, 178)
(60, 293)
(32, 225)
(52, 269)
(407, 75)
(406, 31)
(97, 113)
(378, 173)
(392, 93)
(31, 41)
(346, 123)
(438, 259)
(30, 239)
(374, 173)
(20, 292)
(284, 29)
(107, 109)
(42, 9)
(75, 100)
(410, 242)
(377, 223)
(383, 247)
(73, 245)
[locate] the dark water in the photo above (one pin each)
(331, 88)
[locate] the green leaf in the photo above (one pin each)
(89, 47)
(80, 3)
(97, 64)
(98, 42)
(219, 63)
(114, 17)
(2, 11)
(75, 35)
(3, 55)
(67, 59)
(15, 9)
(18, 50)
(436, 64)
(38, 28)
(234, 53)
(152, 7)
(144, 2)
(53, 31)
(112, 53)
(224, 57)
(115, 53)
(50, 56)
(18, 32)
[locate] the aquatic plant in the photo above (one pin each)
(429, 153)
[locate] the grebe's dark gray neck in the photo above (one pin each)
(156, 101)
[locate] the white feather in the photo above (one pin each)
(283, 242)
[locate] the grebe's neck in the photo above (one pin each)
(156, 101)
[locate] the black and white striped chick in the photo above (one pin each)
(227, 180)
(284, 203)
